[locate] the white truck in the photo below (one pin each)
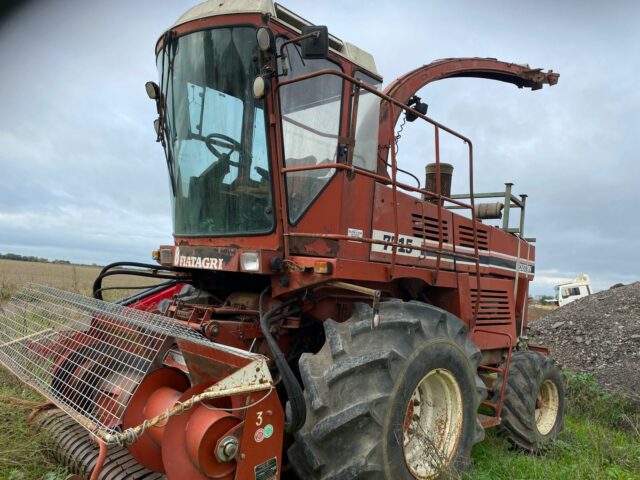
(579, 287)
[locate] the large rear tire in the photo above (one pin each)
(395, 402)
(534, 401)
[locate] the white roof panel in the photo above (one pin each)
(212, 8)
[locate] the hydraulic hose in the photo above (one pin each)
(289, 380)
(150, 290)
(152, 271)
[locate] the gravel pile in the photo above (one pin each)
(599, 334)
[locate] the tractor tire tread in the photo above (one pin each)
(348, 384)
(527, 371)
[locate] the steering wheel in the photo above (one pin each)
(214, 140)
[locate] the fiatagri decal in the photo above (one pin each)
(193, 261)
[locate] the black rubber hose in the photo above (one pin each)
(98, 289)
(125, 301)
(150, 266)
(148, 290)
(289, 380)
(154, 273)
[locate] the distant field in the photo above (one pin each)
(15, 273)
(537, 311)
(73, 278)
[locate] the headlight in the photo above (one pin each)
(250, 261)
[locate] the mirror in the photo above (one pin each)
(316, 46)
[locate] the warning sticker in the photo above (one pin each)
(355, 232)
(267, 470)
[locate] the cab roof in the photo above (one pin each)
(212, 8)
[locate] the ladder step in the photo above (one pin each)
(492, 369)
(488, 421)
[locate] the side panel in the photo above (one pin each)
(322, 216)
(418, 227)
(499, 252)
(358, 192)
(496, 312)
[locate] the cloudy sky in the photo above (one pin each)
(81, 177)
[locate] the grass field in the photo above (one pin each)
(601, 439)
(73, 278)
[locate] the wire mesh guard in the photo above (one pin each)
(85, 355)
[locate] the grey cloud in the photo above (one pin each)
(80, 171)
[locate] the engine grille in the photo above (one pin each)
(496, 307)
(465, 235)
(428, 228)
(85, 355)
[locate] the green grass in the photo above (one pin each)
(600, 440)
(585, 450)
(23, 456)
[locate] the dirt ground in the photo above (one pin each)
(538, 311)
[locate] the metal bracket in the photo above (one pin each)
(375, 295)
(375, 320)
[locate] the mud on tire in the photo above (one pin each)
(534, 401)
(358, 386)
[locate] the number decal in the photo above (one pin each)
(259, 419)
(402, 241)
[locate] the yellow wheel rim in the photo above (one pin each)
(547, 406)
(432, 424)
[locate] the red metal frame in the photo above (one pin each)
(199, 398)
(150, 303)
(460, 269)
(500, 370)
(319, 236)
(352, 170)
(404, 87)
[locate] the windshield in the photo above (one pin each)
(216, 136)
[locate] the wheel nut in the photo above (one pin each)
(227, 449)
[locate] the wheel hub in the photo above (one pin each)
(547, 405)
(432, 424)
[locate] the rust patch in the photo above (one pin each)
(314, 246)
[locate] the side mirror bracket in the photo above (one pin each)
(316, 44)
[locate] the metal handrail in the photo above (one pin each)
(504, 370)
(393, 180)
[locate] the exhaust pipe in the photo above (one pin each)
(446, 173)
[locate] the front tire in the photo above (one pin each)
(366, 391)
(534, 401)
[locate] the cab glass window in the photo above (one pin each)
(310, 128)
(366, 150)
